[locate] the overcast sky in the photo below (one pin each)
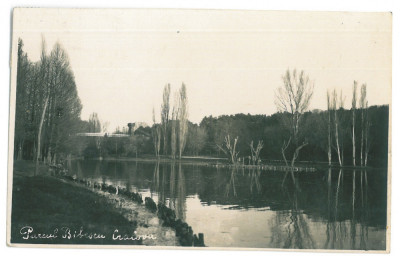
(231, 61)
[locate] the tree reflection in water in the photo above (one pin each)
(162, 193)
(180, 194)
(252, 178)
(176, 199)
(325, 209)
(255, 180)
(290, 228)
(338, 230)
(231, 184)
(172, 183)
(156, 179)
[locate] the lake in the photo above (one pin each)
(325, 209)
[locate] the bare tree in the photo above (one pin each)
(353, 110)
(294, 98)
(283, 150)
(183, 116)
(174, 121)
(46, 103)
(363, 103)
(337, 104)
(44, 81)
(230, 149)
(156, 136)
(165, 116)
(367, 135)
(297, 151)
(255, 152)
(329, 128)
(341, 116)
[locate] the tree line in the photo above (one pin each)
(332, 136)
(293, 133)
(313, 131)
(48, 116)
(47, 105)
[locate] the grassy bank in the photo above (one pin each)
(61, 213)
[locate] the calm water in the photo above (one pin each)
(328, 209)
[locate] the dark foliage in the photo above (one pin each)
(313, 130)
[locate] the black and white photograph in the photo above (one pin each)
(200, 129)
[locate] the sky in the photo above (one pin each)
(231, 61)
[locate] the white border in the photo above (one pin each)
(337, 5)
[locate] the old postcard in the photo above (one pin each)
(157, 128)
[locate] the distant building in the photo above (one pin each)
(132, 127)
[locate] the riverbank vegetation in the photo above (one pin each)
(208, 139)
(47, 123)
(56, 210)
(48, 108)
(65, 209)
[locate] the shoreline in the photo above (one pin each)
(125, 201)
(79, 213)
(272, 165)
(48, 211)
